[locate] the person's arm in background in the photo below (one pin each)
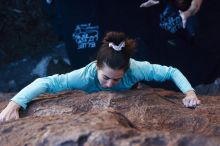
(192, 10)
(162, 73)
(149, 3)
(50, 84)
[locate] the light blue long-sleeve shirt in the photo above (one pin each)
(86, 79)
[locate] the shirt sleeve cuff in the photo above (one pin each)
(24, 106)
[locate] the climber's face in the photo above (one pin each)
(109, 77)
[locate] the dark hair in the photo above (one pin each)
(182, 5)
(113, 58)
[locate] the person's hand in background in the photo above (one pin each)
(149, 3)
(184, 18)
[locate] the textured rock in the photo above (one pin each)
(152, 117)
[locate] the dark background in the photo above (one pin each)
(32, 28)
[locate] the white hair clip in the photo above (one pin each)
(117, 47)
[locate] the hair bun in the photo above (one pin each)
(114, 37)
(119, 42)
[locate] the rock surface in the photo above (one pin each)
(152, 117)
